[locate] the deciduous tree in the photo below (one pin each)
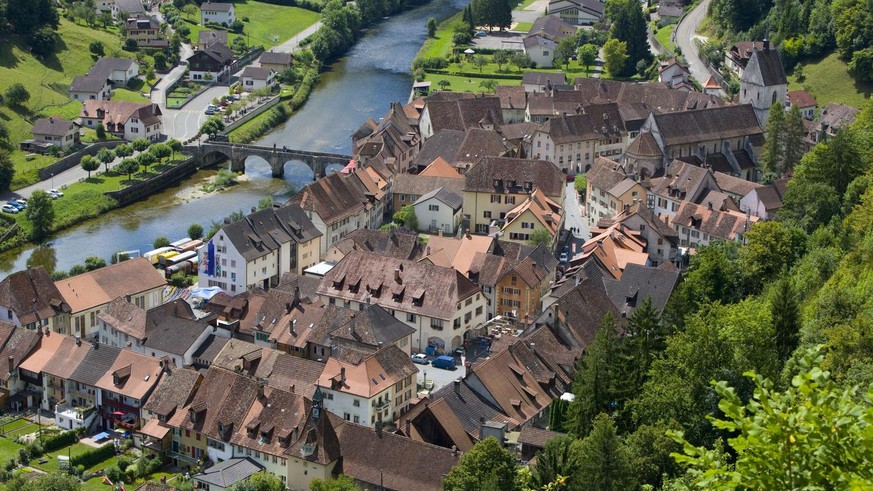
(106, 156)
(16, 94)
(615, 56)
(587, 56)
(486, 461)
(128, 166)
(539, 236)
(40, 213)
(7, 170)
(89, 164)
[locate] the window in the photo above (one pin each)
(356, 403)
(478, 310)
(410, 317)
(510, 200)
(433, 207)
(495, 198)
(467, 317)
(486, 214)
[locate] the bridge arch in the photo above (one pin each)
(211, 152)
(257, 165)
(298, 171)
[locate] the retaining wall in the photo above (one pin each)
(73, 160)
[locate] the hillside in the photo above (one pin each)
(48, 82)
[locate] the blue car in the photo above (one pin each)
(446, 362)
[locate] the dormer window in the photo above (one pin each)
(498, 183)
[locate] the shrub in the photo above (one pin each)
(93, 457)
(161, 242)
(23, 456)
(430, 63)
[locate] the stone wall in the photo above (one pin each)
(250, 114)
(156, 184)
(73, 160)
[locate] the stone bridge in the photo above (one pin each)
(211, 152)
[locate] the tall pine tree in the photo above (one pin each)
(773, 146)
(596, 381)
(628, 24)
(786, 317)
(793, 138)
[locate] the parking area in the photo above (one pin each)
(501, 40)
(439, 377)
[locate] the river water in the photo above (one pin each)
(362, 85)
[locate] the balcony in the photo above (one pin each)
(381, 406)
(183, 458)
(70, 417)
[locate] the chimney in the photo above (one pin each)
(94, 343)
(343, 375)
(454, 450)
(397, 275)
(408, 427)
(379, 428)
(352, 324)
(261, 385)
(766, 45)
(11, 364)
(458, 386)
(296, 296)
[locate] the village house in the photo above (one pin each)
(54, 368)
(208, 37)
(542, 82)
(271, 367)
(804, 101)
(89, 293)
(368, 388)
(610, 191)
(639, 284)
(521, 288)
(28, 389)
(439, 211)
(170, 331)
(495, 186)
(409, 188)
(278, 62)
(124, 388)
(458, 111)
(389, 146)
(52, 132)
(463, 149)
(578, 12)
(126, 120)
(537, 212)
(699, 225)
(612, 250)
(122, 9)
(513, 101)
(765, 201)
(457, 252)
(679, 182)
(661, 241)
(146, 31)
(674, 74)
(833, 118)
(259, 249)
(339, 204)
(30, 299)
(442, 305)
(16, 343)
(398, 243)
(254, 78)
(220, 13)
(572, 142)
(210, 63)
(106, 72)
(175, 390)
(543, 37)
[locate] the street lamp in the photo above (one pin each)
(53, 180)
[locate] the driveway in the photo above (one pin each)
(573, 214)
(532, 12)
(501, 40)
(291, 45)
(685, 34)
(439, 376)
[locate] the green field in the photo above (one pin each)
(269, 25)
(9, 449)
(128, 95)
(522, 26)
(828, 80)
(465, 84)
(663, 36)
(48, 83)
(441, 44)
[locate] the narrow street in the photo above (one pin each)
(685, 35)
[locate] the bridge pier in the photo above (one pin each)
(277, 163)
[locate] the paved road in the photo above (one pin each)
(184, 123)
(532, 12)
(573, 213)
(291, 45)
(685, 33)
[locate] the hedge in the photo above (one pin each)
(305, 87)
(50, 443)
(496, 76)
(93, 457)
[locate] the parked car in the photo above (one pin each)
(211, 109)
(7, 208)
(18, 206)
(459, 351)
(420, 358)
(445, 362)
(564, 258)
(22, 202)
(481, 34)
(57, 192)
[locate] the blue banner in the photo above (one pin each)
(210, 258)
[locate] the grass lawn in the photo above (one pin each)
(522, 26)
(51, 458)
(269, 25)
(663, 36)
(48, 83)
(23, 430)
(465, 84)
(9, 449)
(828, 80)
(129, 96)
(14, 425)
(96, 484)
(441, 44)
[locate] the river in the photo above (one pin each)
(362, 85)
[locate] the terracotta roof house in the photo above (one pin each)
(457, 253)
(522, 285)
(126, 120)
(371, 329)
(698, 225)
(678, 182)
(661, 241)
(533, 440)
(16, 343)
(30, 369)
(739, 54)
(610, 191)
(369, 388)
(440, 303)
(273, 367)
(52, 132)
(613, 249)
(580, 312)
(537, 212)
(316, 452)
(573, 140)
(29, 298)
(281, 239)
(87, 293)
(440, 168)
(444, 144)
(175, 390)
(126, 385)
(804, 101)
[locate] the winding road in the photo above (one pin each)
(685, 34)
